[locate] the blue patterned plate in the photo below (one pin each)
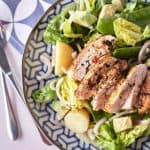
(43, 114)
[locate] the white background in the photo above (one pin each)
(29, 138)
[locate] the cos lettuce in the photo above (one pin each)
(128, 137)
(67, 92)
(107, 138)
(146, 33)
(82, 18)
(127, 31)
(81, 14)
(44, 94)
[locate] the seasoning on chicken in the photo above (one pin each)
(127, 90)
(144, 99)
(97, 72)
(90, 55)
(108, 84)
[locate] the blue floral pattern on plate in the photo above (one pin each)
(43, 113)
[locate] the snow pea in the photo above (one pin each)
(126, 52)
(139, 17)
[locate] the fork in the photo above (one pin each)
(14, 81)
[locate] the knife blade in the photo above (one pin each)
(11, 122)
(6, 68)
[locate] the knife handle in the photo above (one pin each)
(11, 122)
(18, 91)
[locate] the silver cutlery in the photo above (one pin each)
(12, 78)
(11, 122)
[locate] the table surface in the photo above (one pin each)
(29, 138)
(19, 19)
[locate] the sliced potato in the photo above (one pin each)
(77, 120)
(63, 57)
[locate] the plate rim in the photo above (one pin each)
(23, 82)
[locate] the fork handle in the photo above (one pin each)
(10, 117)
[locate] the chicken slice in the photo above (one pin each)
(144, 99)
(127, 87)
(97, 72)
(90, 55)
(108, 84)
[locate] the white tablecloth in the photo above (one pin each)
(19, 17)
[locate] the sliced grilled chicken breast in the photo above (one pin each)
(90, 55)
(108, 84)
(97, 72)
(131, 85)
(144, 99)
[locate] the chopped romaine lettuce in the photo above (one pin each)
(67, 91)
(82, 18)
(108, 145)
(96, 115)
(44, 94)
(147, 132)
(146, 33)
(73, 21)
(127, 31)
(139, 16)
(97, 5)
(128, 137)
(53, 31)
(57, 106)
(107, 132)
(107, 138)
(68, 31)
(132, 6)
(93, 6)
(52, 35)
(120, 43)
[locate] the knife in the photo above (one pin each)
(5, 65)
(11, 122)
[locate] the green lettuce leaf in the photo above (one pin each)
(109, 145)
(107, 138)
(82, 18)
(127, 31)
(53, 31)
(128, 137)
(51, 36)
(132, 6)
(68, 31)
(57, 106)
(107, 132)
(44, 94)
(67, 91)
(146, 33)
(97, 5)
